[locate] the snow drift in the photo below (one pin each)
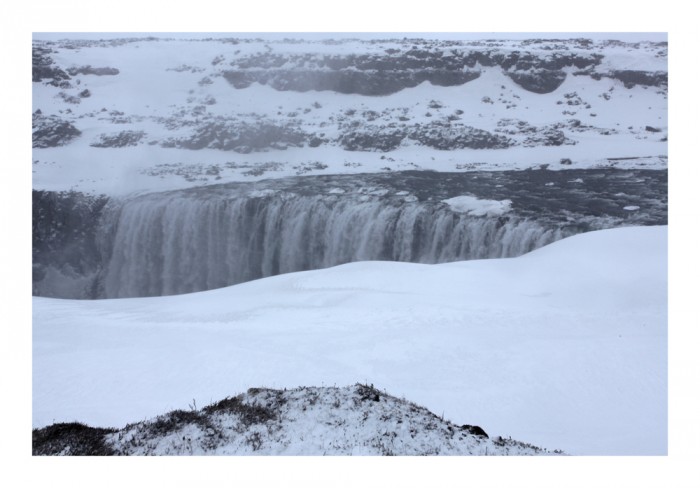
(564, 347)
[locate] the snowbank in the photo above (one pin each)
(565, 347)
(477, 207)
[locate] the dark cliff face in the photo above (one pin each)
(407, 65)
(539, 80)
(347, 81)
(44, 68)
(538, 66)
(378, 75)
(64, 236)
(631, 78)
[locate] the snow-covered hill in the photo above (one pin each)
(353, 420)
(143, 114)
(564, 347)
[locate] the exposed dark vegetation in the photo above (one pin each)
(247, 413)
(264, 419)
(71, 439)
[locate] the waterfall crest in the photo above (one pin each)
(182, 243)
(201, 238)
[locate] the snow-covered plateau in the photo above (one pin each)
(144, 114)
(277, 226)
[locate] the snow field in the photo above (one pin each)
(552, 348)
(160, 80)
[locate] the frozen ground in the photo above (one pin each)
(564, 347)
(170, 118)
(357, 420)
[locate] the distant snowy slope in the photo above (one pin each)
(565, 347)
(127, 115)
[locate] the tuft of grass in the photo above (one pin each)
(248, 414)
(175, 420)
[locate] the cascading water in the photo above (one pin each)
(202, 238)
(183, 243)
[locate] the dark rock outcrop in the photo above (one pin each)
(89, 70)
(122, 139)
(51, 131)
(64, 239)
(241, 136)
(446, 136)
(475, 430)
(348, 81)
(43, 67)
(383, 74)
(631, 78)
(371, 138)
(538, 81)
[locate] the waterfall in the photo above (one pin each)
(207, 237)
(181, 242)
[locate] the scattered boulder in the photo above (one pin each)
(89, 70)
(122, 139)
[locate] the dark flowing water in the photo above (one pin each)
(203, 238)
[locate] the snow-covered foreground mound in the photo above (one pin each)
(354, 420)
(565, 347)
